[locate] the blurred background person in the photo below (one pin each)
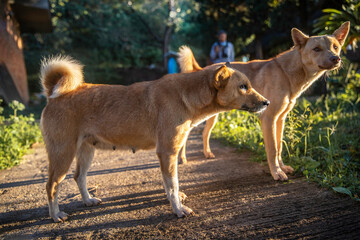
(222, 50)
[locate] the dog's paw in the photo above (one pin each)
(92, 202)
(209, 155)
(279, 175)
(182, 197)
(287, 169)
(60, 217)
(184, 211)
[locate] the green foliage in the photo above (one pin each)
(128, 33)
(104, 36)
(103, 30)
(329, 22)
(107, 35)
(321, 138)
(241, 129)
(17, 134)
(246, 27)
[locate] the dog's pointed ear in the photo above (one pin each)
(341, 33)
(298, 37)
(221, 77)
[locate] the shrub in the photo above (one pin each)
(17, 134)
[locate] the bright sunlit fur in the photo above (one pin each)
(59, 75)
(282, 80)
(187, 61)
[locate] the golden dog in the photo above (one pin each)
(281, 79)
(80, 117)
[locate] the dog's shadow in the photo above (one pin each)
(90, 173)
(127, 203)
(20, 219)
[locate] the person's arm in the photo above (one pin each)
(232, 53)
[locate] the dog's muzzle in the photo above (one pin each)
(261, 107)
(334, 62)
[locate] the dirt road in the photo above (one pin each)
(231, 196)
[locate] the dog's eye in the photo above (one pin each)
(317, 49)
(335, 47)
(243, 87)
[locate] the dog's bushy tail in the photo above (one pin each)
(187, 60)
(59, 75)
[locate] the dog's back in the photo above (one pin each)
(188, 63)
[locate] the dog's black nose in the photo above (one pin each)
(335, 59)
(266, 103)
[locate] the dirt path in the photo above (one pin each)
(232, 198)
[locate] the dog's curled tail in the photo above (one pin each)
(59, 75)
(187, 60)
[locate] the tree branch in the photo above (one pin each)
(142, 20)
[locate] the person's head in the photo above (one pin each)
(222, 36)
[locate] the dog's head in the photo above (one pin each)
(234, 91)
(320, 53)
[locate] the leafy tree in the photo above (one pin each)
(108, 30)
(258, 28)
(329, 22)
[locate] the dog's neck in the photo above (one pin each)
(300, 77)
(200, 98)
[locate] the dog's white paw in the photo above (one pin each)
(184, 211)
(60, 217)
(182, 197)
(209, 155)
(279, 175)
(92, 202)
(287, 169)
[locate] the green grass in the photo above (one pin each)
(17, 134)
(321, 138)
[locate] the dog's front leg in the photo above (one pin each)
(168, 163)
(268, 126)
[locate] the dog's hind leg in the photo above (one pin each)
(59, 164)
(84, 157)
(210, 123)
(183, 158)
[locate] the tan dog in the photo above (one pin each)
(281, 80)
(80, 117)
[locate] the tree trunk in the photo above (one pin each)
(258, 48)
(168, 30)
(166, 43)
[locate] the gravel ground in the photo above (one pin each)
(231, 196)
